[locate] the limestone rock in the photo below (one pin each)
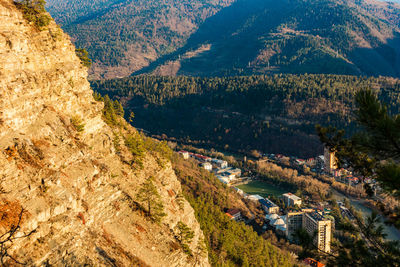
(78, 194)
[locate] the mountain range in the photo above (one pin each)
(225, 37)
(123, 36)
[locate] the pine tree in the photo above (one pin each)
(184, 233)
(151, 200)
(372, 152)
(184, 236)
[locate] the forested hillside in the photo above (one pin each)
(125, 35)
(229, 243)
(226, 37)
(274, 114)
(301, 36)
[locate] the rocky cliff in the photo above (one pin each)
(77, 192)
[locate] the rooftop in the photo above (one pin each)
(317, 217)
(291, 196)
(268, 203)
(233, 212)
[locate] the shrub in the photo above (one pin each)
(34, 11)
(184, 235)
(84, 57)
(78, 123)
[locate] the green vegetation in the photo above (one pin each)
(120, 35)
(34, 11)
(113, 111)
(184, 235)
(373, 151)
(359, 244)
(151, 200)
(275, 114)
(262, 188)
(84, 57)
(246, 36)
(78, 124)
(229, 243)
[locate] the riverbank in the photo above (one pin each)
(365, 208)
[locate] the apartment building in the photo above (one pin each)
(294, 221)
(316, 224)
(291, 199)
(330, 160)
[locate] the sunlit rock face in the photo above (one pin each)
(77, 193)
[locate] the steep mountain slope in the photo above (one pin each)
(124, 36)
(300, 36)
(229, 37)
(59, 161)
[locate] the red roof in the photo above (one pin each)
(230, 216)
(313, 263)
(232, 212)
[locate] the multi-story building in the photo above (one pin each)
(330, 160)
(316, 224)
(207, 166)
(220, 163)
(269, 206)
(294, 221)
(291, 200)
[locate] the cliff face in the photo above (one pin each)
(77, 192)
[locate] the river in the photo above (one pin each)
(392, 232)
(266, 189)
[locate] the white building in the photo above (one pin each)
(272, 218)
(254, 197)
(228, 175)
(207, 166)
(184, 154)
(291, 199)
(220, 163)
(223, 179)
(319, 227)
(269, 206)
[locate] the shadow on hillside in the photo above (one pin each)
(235, 125)
(224, 25)
(383, 60)
(238, 33)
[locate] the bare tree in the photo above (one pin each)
(7, 240)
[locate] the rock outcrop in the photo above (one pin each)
(76, 191)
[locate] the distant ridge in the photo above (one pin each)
(123, 36)
(226, 37)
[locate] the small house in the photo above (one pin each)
(207, 166)
(234, 214)
(184, 154)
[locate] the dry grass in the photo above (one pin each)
(9, 213)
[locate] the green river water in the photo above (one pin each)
(265, 189)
